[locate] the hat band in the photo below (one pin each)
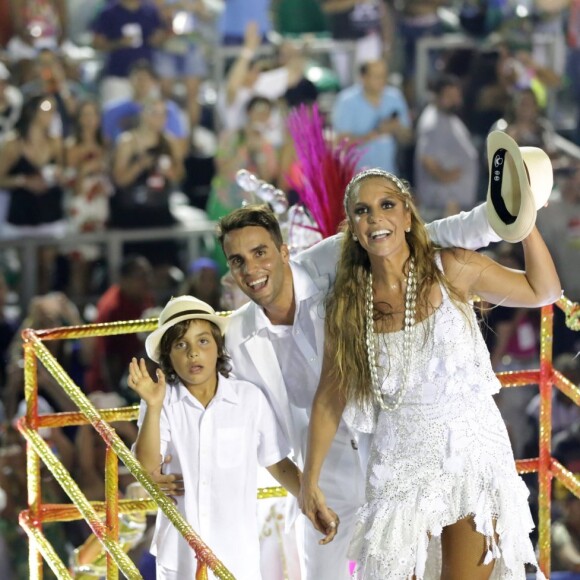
(187, 313)
(495, 188)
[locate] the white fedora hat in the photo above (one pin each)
(520, 183)
(177, 310)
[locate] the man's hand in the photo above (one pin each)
(172, 484)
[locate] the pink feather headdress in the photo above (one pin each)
(325, 167)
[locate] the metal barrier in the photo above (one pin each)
(107, 531)
(456, 41)
(198, 237)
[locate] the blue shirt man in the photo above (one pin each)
(375, 115)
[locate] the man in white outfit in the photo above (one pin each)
(276, 342)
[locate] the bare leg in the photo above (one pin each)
(463, 552)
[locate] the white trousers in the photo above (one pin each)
(343, 484)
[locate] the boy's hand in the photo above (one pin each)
(153, 393)
(171, 484)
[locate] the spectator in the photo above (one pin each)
(123, 115)
(417, 19)
(367, 23)
(10, 103)
(247, 148)
(10, 109)
(248, 78)
(50, 79)
(559, 223)
(180, 58)
(47, 311)
(446, 162)
(203, 282)
(37, 24)
(7, 330)
(374, 114)
(31, 168)
(125, 300)
(565, 413)
(87, 162)
(487, 90)
(147, 164)
(566, 537)
(128, 31)
(527, 125)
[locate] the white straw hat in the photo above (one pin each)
(520, 183)
(177, 310)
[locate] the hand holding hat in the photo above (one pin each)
(520, 183)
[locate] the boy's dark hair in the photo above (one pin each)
(251, 215)
(176, 332)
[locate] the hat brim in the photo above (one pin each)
(504, 154)
(153, 341)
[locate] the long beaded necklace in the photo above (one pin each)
(410, 304)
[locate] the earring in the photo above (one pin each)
(408, 230)
(354, 237)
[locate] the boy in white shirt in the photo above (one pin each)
(217, 431)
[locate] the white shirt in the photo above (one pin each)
(295, 346)
(218, 450)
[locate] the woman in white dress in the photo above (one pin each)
(442, 488)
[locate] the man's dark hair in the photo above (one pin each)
(132, 263)
(444, 81)
(176, 332)
(251, 215)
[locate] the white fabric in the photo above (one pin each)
(295, 347)
(218, 450)
(254, 359)
(443, 455)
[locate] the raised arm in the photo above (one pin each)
(327, 411)
(148, 444)
(478, 274)
(468, 229)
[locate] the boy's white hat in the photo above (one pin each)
(520, 183)
(177, 310)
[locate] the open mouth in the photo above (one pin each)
(257, 285)
(379, 235)
(195, 369)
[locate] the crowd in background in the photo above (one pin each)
(132, 114)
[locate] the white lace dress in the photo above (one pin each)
(443, 455)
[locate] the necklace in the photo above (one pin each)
(410, 299)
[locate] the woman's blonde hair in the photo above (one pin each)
(345, 306)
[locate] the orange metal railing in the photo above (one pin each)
(107, 529)
(103, 517)
(545, 465)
